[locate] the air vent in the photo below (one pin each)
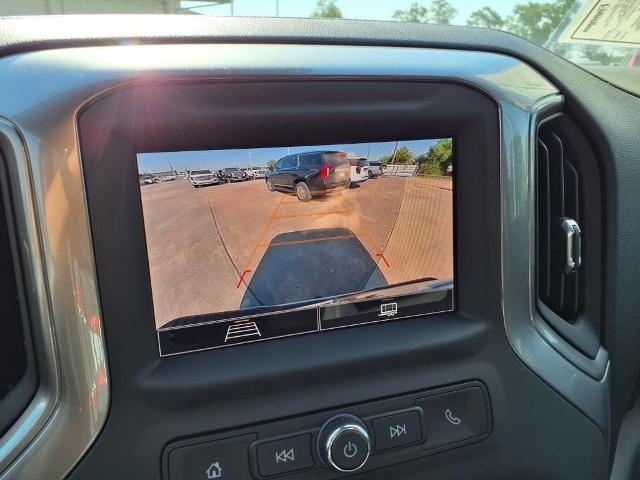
(569, 253)
(559, 234)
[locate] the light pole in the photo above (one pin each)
(395, 149)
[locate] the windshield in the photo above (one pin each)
(200, 172)
(601, 36)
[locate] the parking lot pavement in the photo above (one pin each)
(204, 244)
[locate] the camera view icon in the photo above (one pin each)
(242, 329)
(388, 310)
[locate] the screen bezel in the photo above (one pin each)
(133, 116)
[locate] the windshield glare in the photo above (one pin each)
(602, 36)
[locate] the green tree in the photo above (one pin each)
(486, 17)
(431, 169)
(442, 12)
(437, 158)
(326, 9)
(536, 21)
(416, 13)
(403, 156)
(271, 164)
(559, 10)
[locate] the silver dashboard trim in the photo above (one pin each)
(34, 418)
(72, 397)
(535, 342)
(41, 94)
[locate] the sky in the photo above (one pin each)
(258, 157)
(356, 9)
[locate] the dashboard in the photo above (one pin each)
(214, 282)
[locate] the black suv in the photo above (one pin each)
(310, 173)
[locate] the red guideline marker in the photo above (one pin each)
(381, 255)
(242, 278)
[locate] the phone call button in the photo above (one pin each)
(454, 416)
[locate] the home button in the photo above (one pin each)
(216, 460)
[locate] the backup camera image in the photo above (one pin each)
(251, 244)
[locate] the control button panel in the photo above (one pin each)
(220, 459)
(454, 416)
(358, 438)
(284, 455)
(397, 430)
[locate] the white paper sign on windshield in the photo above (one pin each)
(605, 22)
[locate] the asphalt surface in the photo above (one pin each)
(207, 245)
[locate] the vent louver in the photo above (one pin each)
(558, 231)
(569, 249)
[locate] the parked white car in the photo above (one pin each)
(375, 169)
(200, 178)
(359, 170)
(258, 172)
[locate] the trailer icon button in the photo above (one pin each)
(388, 310)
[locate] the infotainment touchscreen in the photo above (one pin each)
(255, 244)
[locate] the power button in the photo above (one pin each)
(344, 444)
(350, 449)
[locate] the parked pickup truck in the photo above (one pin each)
(232, 174)
(200, 178)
